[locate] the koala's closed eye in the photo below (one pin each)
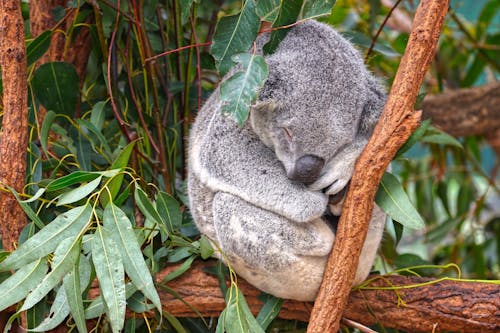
(288, 133)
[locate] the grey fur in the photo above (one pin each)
(319, 100)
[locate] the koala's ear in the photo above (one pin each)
(260, 116)
(373, 107)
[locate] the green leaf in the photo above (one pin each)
(169, 211)
(17, 286)
(269, 311)
(122, 233)
(78, 193)
(145, 206)
(65, 257)
(110, 273)
(98, 115)
(45, 130)
(180, 270)
(72, 179)
(434, 135)
(58, 312)
(185, 9)
(268, 9)
(119, 163)
(69, 224)
(72, 287)
(206, 249)
(288, 14)
(97, 308)
(238, 318)
(234, 34)
(55, 85)
(241, 90)
(37, 48)
(393, 200)
(316, 8)
(176, 324)
(414, 137)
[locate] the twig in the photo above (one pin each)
(374, 40)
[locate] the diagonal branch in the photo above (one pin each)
(395, 125)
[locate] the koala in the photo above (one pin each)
(262, 193)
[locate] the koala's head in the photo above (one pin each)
(318, 99)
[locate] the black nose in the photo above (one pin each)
(307, 169)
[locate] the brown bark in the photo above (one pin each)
(447, 305)
(14, 136)
(396, 123)
(462, 112)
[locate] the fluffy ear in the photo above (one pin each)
(260, 119)
(373, 107)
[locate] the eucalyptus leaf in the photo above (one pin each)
(17, 286)
(269, 311)
(234, 34)
(37, 48)
(65, 257)
(72, 179)
(180, 270)
(288, 14)
(268, 9)
(238, 318)
(55, 85)
(78, 193)
(122, 233)
(414, 137)
(49, 118)
(110, 273)
(169, 211)
(69, 224)
(241, 90)
(316, 8)
(145, 206)
(59, 310)
(72, 286)
(393, 200)
(97, 307)
(119, 163)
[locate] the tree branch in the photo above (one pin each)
(395, 125)
(451, 306)
(465, 112)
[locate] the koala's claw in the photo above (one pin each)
(338, 186)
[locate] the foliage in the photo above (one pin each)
(105, 193)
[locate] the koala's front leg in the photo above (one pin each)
(275, 254)
(337, 173)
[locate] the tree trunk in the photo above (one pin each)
(396, 123)
(14, 136)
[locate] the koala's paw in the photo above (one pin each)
(306, 207)
(335, 179)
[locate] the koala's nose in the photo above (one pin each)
(307, 169)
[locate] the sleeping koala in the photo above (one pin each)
(260, 192)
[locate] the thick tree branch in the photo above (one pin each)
(448, 305)
(395, 125)
(14, 136)
(464, 112)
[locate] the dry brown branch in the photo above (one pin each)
(14, 136)
(453, 306)
(464, 112)
(395, 125)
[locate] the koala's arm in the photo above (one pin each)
(233, 160)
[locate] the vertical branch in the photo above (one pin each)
(14, 136)
(395, 125)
